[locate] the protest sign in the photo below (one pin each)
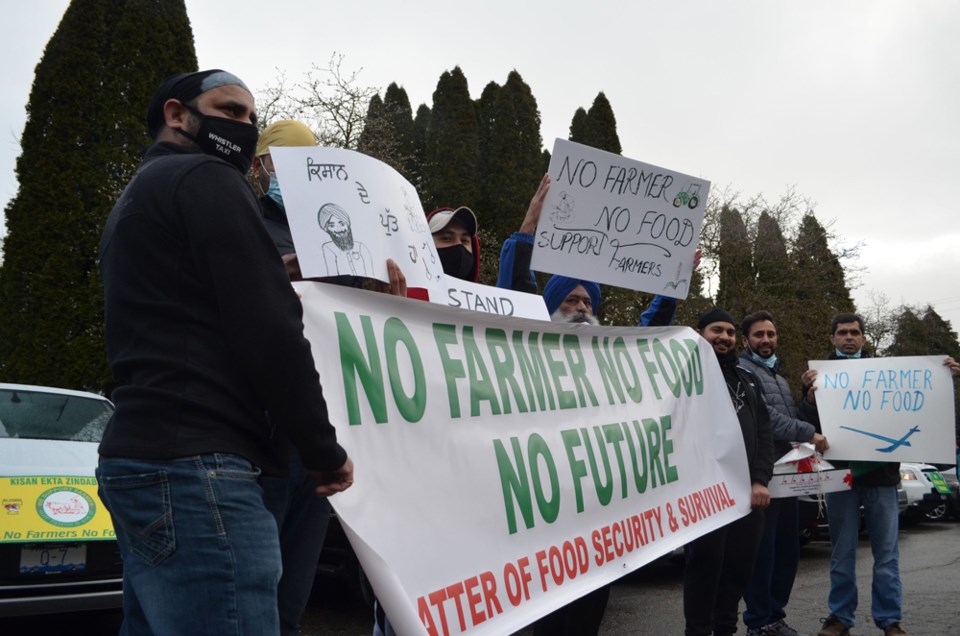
(494, 300)
(802, 472)
(349, 213)
(618, 221)
(43, 501)
(506, 466)
(887, 409)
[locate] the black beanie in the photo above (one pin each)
(714, 315)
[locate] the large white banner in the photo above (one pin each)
(506, 466)
(887, 409)
(619, 221)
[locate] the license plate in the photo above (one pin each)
(53, 558)
(939, 482)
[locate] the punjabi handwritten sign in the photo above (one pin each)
(349, 213)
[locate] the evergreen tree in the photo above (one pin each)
(83, 139)
(774, 292)
(451, 157)
(579, 128)
(387, 132)
(396, 106)
(602, 126)
(371, 137)
(486, 108)
(923, 333)
(735, 292)
(421, 123)
(821, 288)
(510, 165)
(596, 127)
(927, 335)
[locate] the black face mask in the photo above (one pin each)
(458, 262)
(232, 141)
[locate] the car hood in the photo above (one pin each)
(47, 457)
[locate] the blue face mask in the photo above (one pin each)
(767, 362)
(853, 356)
(274, 190)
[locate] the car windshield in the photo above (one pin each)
(41, 415)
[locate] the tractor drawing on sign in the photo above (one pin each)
(689, 197)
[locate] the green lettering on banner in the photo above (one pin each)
(617, 370)
(613, 434)
(445, 335)
(410, 407)
(641, 469)
(354, 364)
(666, 423)
(578, 369)
(537, 449)
(503, 368)
(533, 371)
(643, 346)
(578, 468)
(551, 344)
(661, 353)
(604, 490)
(481, 386)
(654, 439)
(696, 364)
(516, 485)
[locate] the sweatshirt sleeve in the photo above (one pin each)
(260, 312)
(515, 259)
(660, 313)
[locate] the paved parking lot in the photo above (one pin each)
(649, 602)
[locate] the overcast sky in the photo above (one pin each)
(854, 104)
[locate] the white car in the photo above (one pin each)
(58, 551)
(922, 495)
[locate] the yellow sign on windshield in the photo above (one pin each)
(38, 508)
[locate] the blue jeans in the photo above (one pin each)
(200, 550)
(776, 567)
(881, 514)
(302, 518)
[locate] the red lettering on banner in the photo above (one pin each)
(623, 537)
(563, 562)
(433, 615)
(516, 580)
(701, 504)
(454, 592)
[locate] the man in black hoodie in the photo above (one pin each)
(719, 564)
(205, 340)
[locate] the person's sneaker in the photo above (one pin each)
(780, 628)
(755, 631)
(833, 626)
(894, 630)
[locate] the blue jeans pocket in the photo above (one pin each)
(230, 467)
(140, 505)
